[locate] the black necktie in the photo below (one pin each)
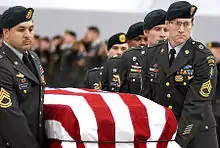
(28, 63)
(172, 56)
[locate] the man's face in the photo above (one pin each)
(91, 35)
(180, 30)
(20, 36)
(140, 40)
(117, 49)
(69, 39)
(216, 53)
(159, 32)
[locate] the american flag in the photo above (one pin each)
(83, 118)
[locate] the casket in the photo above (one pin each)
(83, 118)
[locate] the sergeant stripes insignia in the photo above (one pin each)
(205, 89)
(5, 99)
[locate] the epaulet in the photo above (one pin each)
(134, 48)
(156, 45)
(200, 47)
(95, 69)
(160, 41)
(115, 57)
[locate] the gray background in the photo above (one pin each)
(54, 21)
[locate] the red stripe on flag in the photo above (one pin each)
(104, 119)
(139, 119)
(106, 130)
(66, 117)
(55, 144)
(169, 128)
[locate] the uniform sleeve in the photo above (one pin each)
(14, 128)
(198, 98)
(105, 76)
(146, 89)
(86, 80)
(123, 67)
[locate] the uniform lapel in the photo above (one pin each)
(37, 67)
(185, 54)
(36, 64)
(18, 64)
(162, 57)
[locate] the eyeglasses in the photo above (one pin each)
(178, 24)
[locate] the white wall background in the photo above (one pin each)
(54, 16)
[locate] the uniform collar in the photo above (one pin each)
(17, 53)
(177, 48)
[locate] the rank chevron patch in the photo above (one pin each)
(5, 99)
(206, 89)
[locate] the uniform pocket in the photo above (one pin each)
(154, 77)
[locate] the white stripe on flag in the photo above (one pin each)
(75, 90)
(156, 119)
(83, 113)
(68, 145)
(123, 124)
(60, 132)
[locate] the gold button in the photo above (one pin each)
(168, 95)
(193, 43)
(170, 107)
(167, 83)
(41, 99)
(40, 125)
(40, 113)
(25, 91)
(184, 83)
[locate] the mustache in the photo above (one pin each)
(27, 40)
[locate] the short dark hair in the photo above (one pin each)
(94, 28)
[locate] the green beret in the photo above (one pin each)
(0, 26)
(213, 44)
(15, 15)
(70, 32)
(118, 38)
(135, 30)
(154, 18)
(180, 9)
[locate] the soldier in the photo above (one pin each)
(93, 78)
(21, 82)
(215, 49)
(180, 74)
(135, 35)
(0, 32)
(117, 44)
(154, 27)
(132, 59)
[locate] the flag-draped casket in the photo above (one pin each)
(83, 118)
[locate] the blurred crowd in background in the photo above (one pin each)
(65, 58)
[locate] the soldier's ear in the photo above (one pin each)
(193, 19)
(5, 33)
(146, 32)
(167, 23)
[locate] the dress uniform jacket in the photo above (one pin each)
(131, 70)
(93, 78)
(187, 87)
(21, 102)
(110, 75)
